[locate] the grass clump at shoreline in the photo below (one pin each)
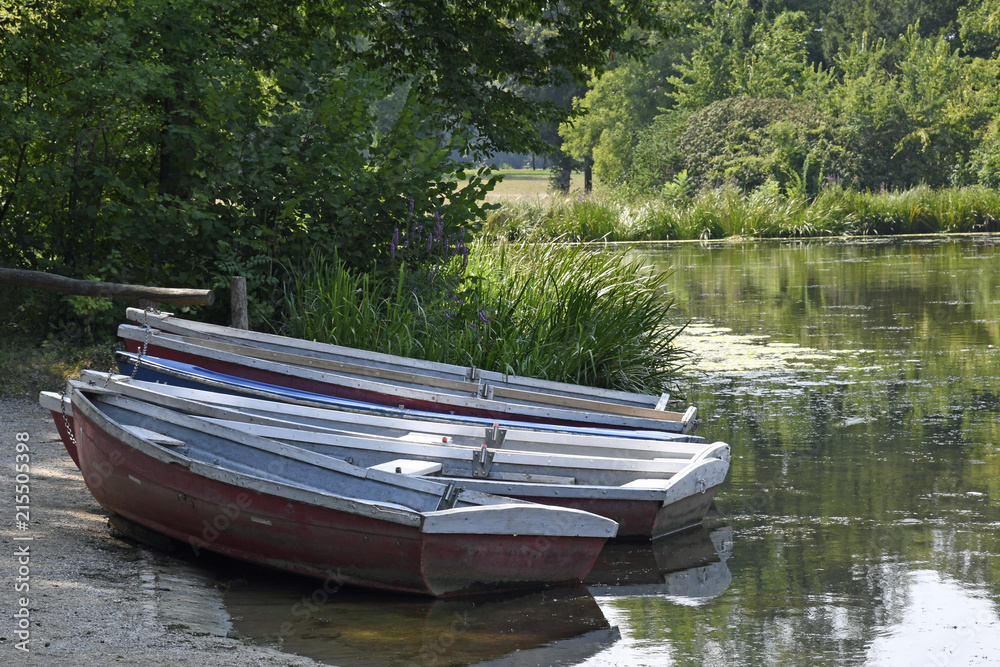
(764, 213)
(28, 366)
(554, 311)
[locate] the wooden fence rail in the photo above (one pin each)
(57, 283)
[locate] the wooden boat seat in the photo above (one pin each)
(409, 467)
(646, 484)
(153, 436)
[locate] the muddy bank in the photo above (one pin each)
(92, 596)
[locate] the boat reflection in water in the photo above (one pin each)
(562, 625)
(557, 626)
(689, 564)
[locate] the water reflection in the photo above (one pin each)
(943, 623)
(688, 566)
(857, 385)
(363, 628)
(559, 626)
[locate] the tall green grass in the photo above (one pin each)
(765, 213)
(555, 311)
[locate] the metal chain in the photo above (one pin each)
(107, 377)
(62, 408)
(145, 343)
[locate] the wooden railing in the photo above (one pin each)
(57, 283)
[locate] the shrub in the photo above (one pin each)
(556, 311)
(745, 142)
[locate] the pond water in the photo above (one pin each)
(859, 386)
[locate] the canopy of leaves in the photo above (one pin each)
(883, 95)
(177, 142)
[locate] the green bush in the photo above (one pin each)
(746, 142)
(561, 312)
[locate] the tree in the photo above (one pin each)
(180, 141)
(618, 105)
(980, 27)
(843, 22)
(739, 54)
(474, 55)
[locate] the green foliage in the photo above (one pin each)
(553, 311)
(575, 314)
(29, 365)
(985, 162)
(882, 96)
(618, 104)
(980, 27)
(679, 189)
(843, 22)
(741, 54)
(769, 211)
(175, 142)
(709, 73)
(658, 155)
(332, 303)
(748, 142)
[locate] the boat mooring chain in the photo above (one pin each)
(107, 378)
(62, 409)
(145, 343)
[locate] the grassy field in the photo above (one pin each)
(520, 183)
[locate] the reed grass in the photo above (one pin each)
(765, 213)
(555, 311)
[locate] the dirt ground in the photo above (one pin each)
(87, 595)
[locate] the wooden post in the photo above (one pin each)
(238, 302)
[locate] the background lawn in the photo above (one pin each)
(519, 183)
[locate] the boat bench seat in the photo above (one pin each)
(409, 467)
(646, 484)
(153, 436)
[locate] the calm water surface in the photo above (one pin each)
(859, 386)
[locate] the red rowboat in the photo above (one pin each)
(281, 506)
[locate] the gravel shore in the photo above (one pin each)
(87, 595)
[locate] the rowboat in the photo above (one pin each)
(399, 388)
(184, 378)
(278, 505)
(581, 442)
(182, 374)
(338, 358)
(646, 496)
